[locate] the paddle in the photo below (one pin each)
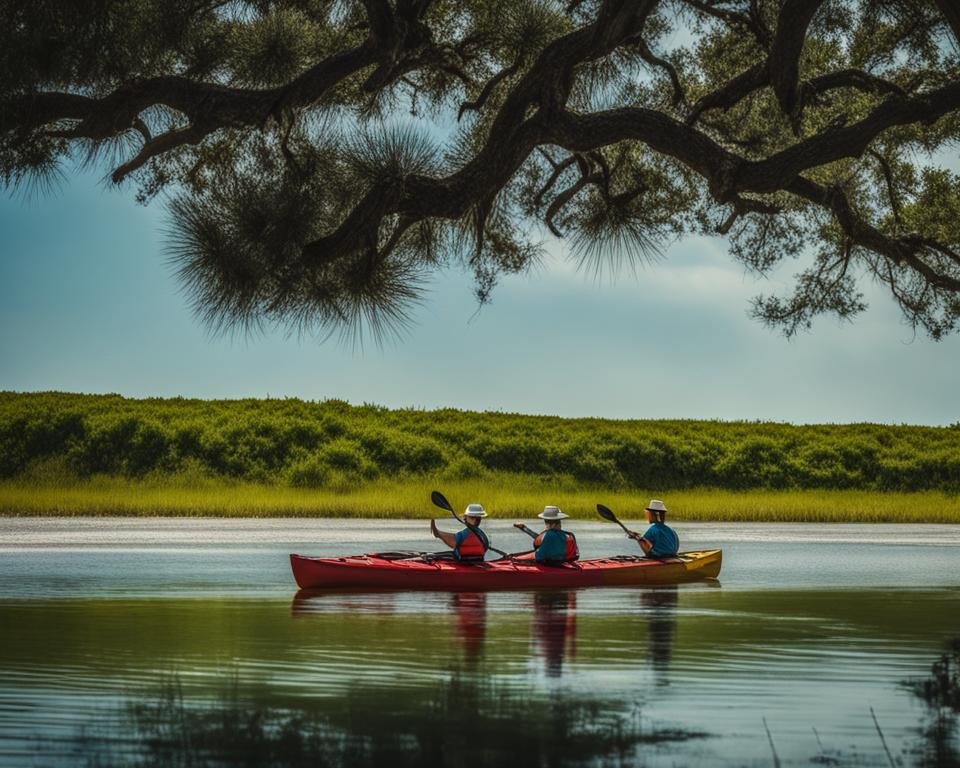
(521, 527)
(516, 554)
(607, 514)
(440, 500)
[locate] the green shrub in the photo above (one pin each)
(271, 441)
(309, 472)
(464, 468)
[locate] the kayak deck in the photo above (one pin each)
(380, 571)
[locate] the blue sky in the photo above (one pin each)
(88, 304)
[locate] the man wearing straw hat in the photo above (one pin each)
(554, 545)
(469, 544)
(659, 540)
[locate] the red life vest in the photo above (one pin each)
(571, 553)
(473, 547)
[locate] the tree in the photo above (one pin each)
(302, 192)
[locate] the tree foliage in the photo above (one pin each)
(322, 157)
(334, 445)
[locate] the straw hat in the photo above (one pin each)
(474, 510)
(657, 506)
(552, 513)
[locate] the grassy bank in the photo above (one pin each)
(504, 495)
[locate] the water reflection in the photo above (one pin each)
(660, 608)
(373, 675)
(554, 629)
(466, 721)
(470, 608)
(940, 746)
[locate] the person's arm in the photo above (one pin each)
(645, 545)
(450, 539)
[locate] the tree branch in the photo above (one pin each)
(488, 88)
(558, 169)
(848, 141)
(891, 188)
(732, 92)
(751, 22)
(904, 251)
(156, 146)
(795, 17)
(648, 56)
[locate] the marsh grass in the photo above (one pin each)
(504, 494)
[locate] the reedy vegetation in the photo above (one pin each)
(337, 446)
(802, 129)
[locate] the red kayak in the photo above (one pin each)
(390, 570)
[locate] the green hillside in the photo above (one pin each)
(334, 445)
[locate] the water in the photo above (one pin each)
(183, 642)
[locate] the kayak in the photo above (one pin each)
(393, 570)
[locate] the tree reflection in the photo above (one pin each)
(941, 693)
(465, 721)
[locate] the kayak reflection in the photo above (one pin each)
(554, 629)
(311, 601)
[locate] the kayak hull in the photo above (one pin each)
(373, 571)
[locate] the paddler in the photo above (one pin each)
(553, 544)
(469, 544)
(659, 540)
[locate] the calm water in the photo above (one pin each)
(183, 642)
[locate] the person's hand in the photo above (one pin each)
(519, 525)
(634, 535)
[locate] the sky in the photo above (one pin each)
(88, 303)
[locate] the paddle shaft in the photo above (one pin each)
(617, 521)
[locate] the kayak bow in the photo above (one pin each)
(382, 570)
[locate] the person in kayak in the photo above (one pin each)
(554, 545)
(659, 540)
(469, 544)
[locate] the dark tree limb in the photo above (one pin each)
(489, 87)
(785, 49)
(558, 169)
(648, 56)
(903, 251)
(732, 92)
(561, 200)
(892, 196)
(751, 22)
(848, 78)
(743, 205)
(849, 141)
(157, 146)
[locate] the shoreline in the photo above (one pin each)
(516, 497)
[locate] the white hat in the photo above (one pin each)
(656, 505)
(552, 513)
(474, 510)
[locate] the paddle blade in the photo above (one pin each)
(441, 501)
(606, 513)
